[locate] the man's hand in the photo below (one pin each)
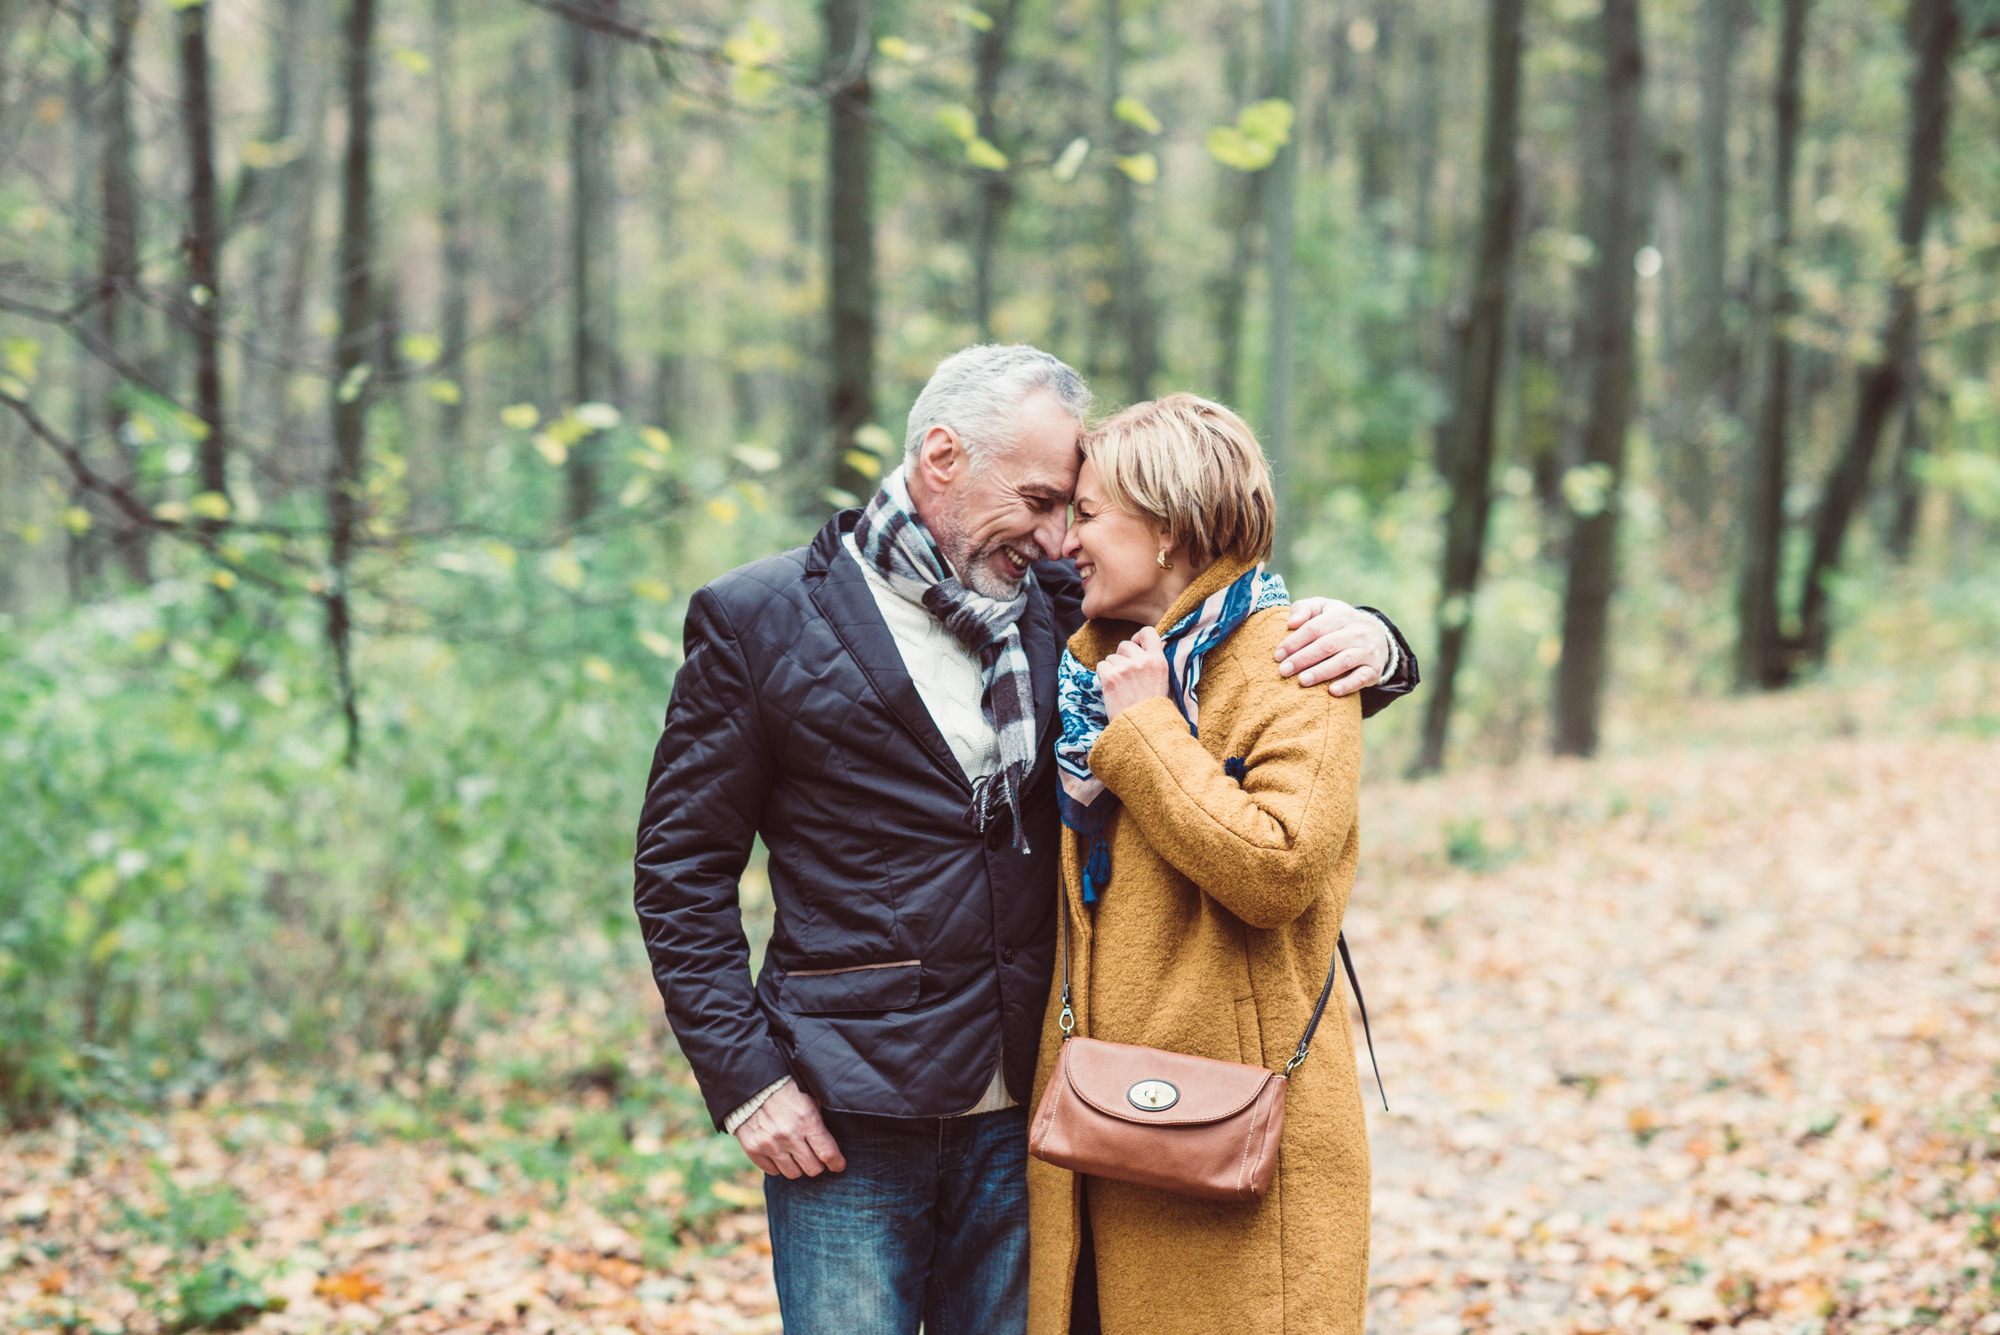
(1333, 642)
(787, 1137)
(1138, 671)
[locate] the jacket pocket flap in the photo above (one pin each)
(1149, 1086)
(863, 987)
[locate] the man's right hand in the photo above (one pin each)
(787, 1137)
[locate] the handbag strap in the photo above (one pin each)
(1342, 957)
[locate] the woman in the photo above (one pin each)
(1210, 850)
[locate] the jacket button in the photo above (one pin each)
(1006, 954)
(996, 834)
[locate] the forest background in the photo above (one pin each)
(380, 377)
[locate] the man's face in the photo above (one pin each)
(992, 525)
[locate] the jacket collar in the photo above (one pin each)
(844, 597)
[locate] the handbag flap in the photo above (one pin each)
(1119, 1080)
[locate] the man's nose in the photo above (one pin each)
(1054, 533)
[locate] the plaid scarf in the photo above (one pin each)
(1087, 806)
(890, 540)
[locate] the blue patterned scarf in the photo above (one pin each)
(1087, 806)
(890, 540)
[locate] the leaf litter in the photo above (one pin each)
(1693, 1041)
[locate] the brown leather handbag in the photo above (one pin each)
(1185, 1124)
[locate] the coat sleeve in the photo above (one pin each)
(1376, 698)
(711, 772)
(1263, 848)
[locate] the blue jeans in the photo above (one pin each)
(928, 1223)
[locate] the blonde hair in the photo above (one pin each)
(1193, 468)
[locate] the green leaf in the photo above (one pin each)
(755, 43)
(982, 154)
(1134, 112)
(1070, 161)
(959, 120)
(420, 347)
(656, 440)
(22, 357)
(840, 498)
(553, 450)
(973, 18)
(563, 569)
(1587, 488)
(1141, 167)
(874, 439)
(446, 392)
(520, 416)
(210, 505)
(636, 491)
(353, 382)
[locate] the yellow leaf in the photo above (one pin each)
(874, 439)
(29, 533)
(636, 491)
(446, 392)
(1230, 147)
(1070, 161)
(520, 416)
(416, 62)
(420, 347)
(563, 570)
(897, 49)
(171, 511)
(350, 1286)
(653, 590)
(1134, 112)
(757, 457)
(754, 493)
(551, 449)
(22, 357)
(77, 520)
(864, 463)
(959, 120)
(982, 154)
(261, 156)
(840, 498)
(755, 43)
(598, 670)
(723, 509)
(974, 18)
(656, 643)
(1267, 122)
(1141, 167)
(659, 440)
(222, 579)
(12, 387)
(210, 505)
(735, 1195)
(106, 946)
(597, 416)
(646, 459)
(499, 553)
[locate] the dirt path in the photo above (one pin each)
(1672, 1044)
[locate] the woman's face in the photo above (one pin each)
(1117, 554)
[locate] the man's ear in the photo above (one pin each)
(940, 456)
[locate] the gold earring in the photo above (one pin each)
(1162, 560)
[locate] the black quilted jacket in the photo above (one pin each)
(909, 954)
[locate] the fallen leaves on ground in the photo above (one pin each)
(1696, 1041)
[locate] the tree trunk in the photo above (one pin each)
(996, 191)
(1280, 81)
(1593, 542)
(351, 390)
(203, 302)
(118, 265)
(1244, 221)
(593, 238)
(1763, 659)
(1908, 488)
(1470, 429)
(1132, 304)
(457, 257)
(528, 248)
(850, 240)
(1933, 31)
(1704, 353)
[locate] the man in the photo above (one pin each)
(878, 707)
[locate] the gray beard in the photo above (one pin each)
(973, 568)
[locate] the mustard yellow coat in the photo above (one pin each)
(1213, 939)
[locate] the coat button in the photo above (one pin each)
(996, 834)
(1006, 954)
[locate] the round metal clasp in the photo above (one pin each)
(1152, 1095)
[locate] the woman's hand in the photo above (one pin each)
(1138, 671)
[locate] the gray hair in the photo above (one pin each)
(977, 392)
